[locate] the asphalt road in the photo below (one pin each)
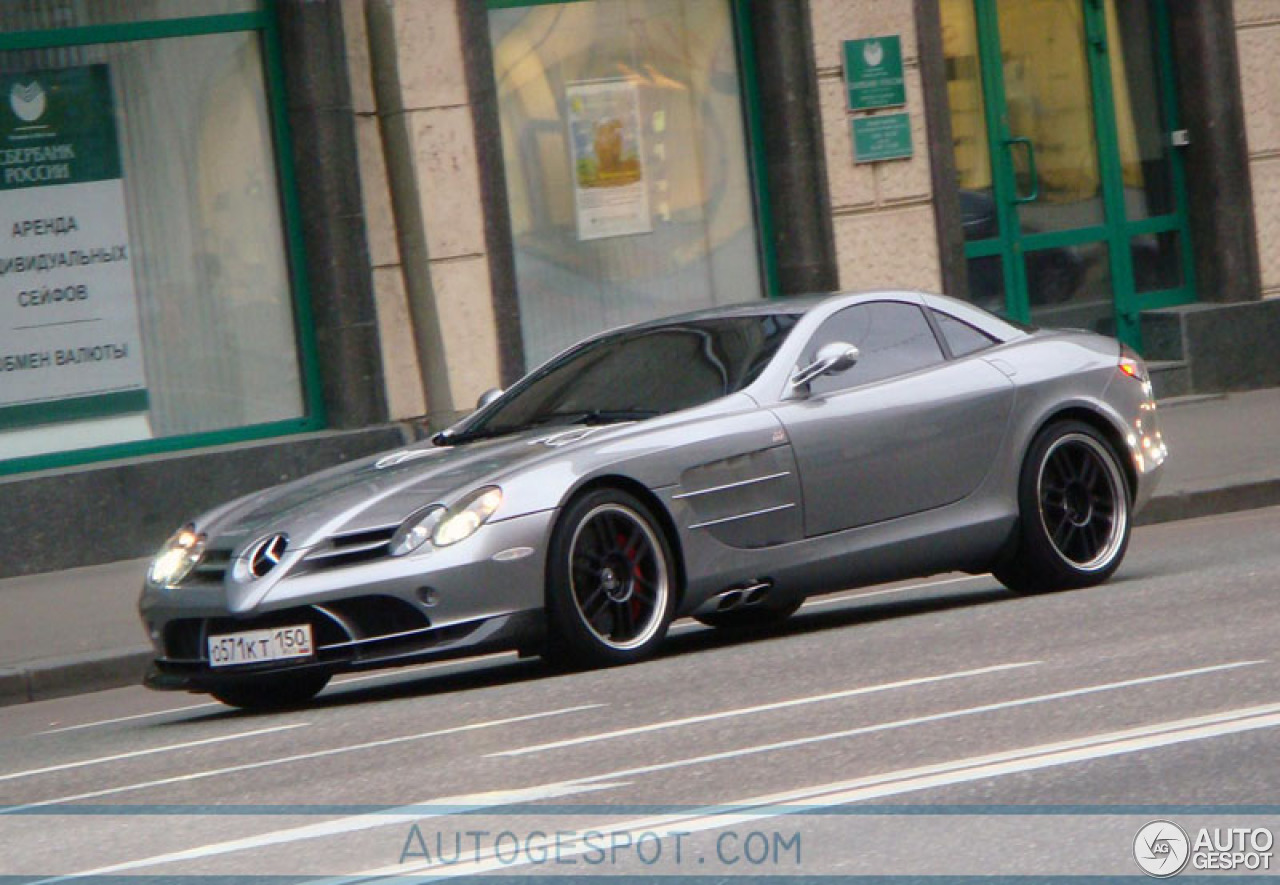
(943, 726)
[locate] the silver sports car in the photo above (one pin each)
(722, 465)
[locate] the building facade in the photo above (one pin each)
(244, 239)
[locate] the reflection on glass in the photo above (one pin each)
(1140, 128)
(206, 236)
(626, 163)
(1157, 261)
(1070, 287)
(1047, 94)
(986, 283)
(968, 119)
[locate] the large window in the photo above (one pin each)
(148, 289)
(626, 161)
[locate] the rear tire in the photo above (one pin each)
(1075, 512)
(271, 692)
(611, 582)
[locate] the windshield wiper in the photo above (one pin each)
(590, 417)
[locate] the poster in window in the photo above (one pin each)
(69, 340)
(611, 197)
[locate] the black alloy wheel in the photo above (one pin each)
(610, 593)
(1075, 512)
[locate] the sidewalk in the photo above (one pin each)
(70, 632)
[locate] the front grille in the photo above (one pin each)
(352, 548)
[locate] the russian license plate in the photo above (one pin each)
(256, 646)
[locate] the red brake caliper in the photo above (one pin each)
(633, 556)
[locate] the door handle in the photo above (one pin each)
(1009, 144)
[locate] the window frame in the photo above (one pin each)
(264, 22)
(944, 353)
(934, 314)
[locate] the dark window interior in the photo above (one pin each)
(962, 338)
(893, 338)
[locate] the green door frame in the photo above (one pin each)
(1117, 232)
(265, 23)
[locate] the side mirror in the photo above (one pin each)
(831, 359)
(488, 396)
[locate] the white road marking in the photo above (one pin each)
(957, 771)
(300, 757)
(851, 597)
(905, 723)
(340, 680)
(763, 708)
(406, 814)
(421, 668)
(134, 754)
(895, 783)
(150, 715)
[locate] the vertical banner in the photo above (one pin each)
(611, 197)
(69, 341)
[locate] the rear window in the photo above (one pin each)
(962, 338)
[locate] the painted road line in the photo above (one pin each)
(406, 814)
(339, 681)
(763, 708)
(927, 585)
(422, 668)
(896, 783)
(300, 757)
(135, 754)
(909, 722)
(919, 778)
(135, 716)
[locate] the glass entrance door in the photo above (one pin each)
(1070, 185)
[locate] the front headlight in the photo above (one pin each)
(177, 557)
(415, 531)
(464, 519)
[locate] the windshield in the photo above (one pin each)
(639, 373)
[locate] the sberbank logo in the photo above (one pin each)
(28, 101)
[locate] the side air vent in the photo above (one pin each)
(352, 548)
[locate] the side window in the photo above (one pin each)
(962, 338)
(893, 338)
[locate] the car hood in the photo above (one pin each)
(382, 490)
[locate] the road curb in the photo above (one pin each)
(61, 677)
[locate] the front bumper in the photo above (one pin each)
(473, 597)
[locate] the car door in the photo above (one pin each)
(907, 429)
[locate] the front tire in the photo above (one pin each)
(610, 582)
(1075, 512)
(271, 692)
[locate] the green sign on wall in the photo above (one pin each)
(883, 137)
(873, 73)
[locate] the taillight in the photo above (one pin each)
(1131, 364)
